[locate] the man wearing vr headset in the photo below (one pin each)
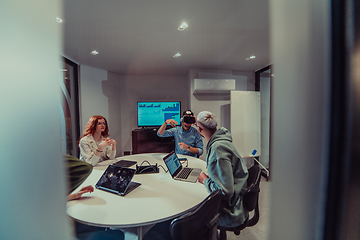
(188, 140)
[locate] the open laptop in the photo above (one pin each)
(117, 180)
(177, 171)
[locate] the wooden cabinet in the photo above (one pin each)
(147, 141)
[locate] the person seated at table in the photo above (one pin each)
(226, 170)
(187, 139)
(95, 144)
(77, 172)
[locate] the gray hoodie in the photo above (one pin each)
(227, 171)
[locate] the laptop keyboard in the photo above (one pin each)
(184, 173)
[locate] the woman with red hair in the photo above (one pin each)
(95, 144)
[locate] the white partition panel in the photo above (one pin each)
(246, 122)
(33, 183)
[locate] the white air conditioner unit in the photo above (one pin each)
(218, 86)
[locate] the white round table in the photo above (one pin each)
(159, 197)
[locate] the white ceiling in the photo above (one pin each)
(141, 36)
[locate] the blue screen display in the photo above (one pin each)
(172, 163)
(152, 114)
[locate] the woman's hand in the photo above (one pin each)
(103, 144)
(112, 143)
(77, 195)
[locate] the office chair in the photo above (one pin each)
(250, 202)
(200, 224)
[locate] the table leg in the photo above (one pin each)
(139, 232)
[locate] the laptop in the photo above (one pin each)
(177, 171)
(117, 180)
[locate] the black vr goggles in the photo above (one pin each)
(189, 119)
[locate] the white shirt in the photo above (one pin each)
(88, 148)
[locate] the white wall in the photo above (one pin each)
(216, 103)
(264, 158)
(300, 117)
(246, 122)
(92, 99)
(32, 178)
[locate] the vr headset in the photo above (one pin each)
(189, 119)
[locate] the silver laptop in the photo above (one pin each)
(117, 180)
(177, 171)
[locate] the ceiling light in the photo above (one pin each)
(94, 52)
(177, 55)
(182, 26)
(59, 20)
(251, 57)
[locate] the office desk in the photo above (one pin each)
(159, 197)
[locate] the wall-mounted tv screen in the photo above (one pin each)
(154, 114)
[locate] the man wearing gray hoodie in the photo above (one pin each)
(226, 170)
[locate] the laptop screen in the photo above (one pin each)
(116, 178)
(172, 162)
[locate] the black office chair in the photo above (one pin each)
(250, 202)
(200, 224)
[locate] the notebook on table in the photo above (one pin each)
(177, 171)
(117, 180)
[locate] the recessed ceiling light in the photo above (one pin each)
(177, 55)
(251, 57)
(94, 52)
(183, 26)
(59, 20)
